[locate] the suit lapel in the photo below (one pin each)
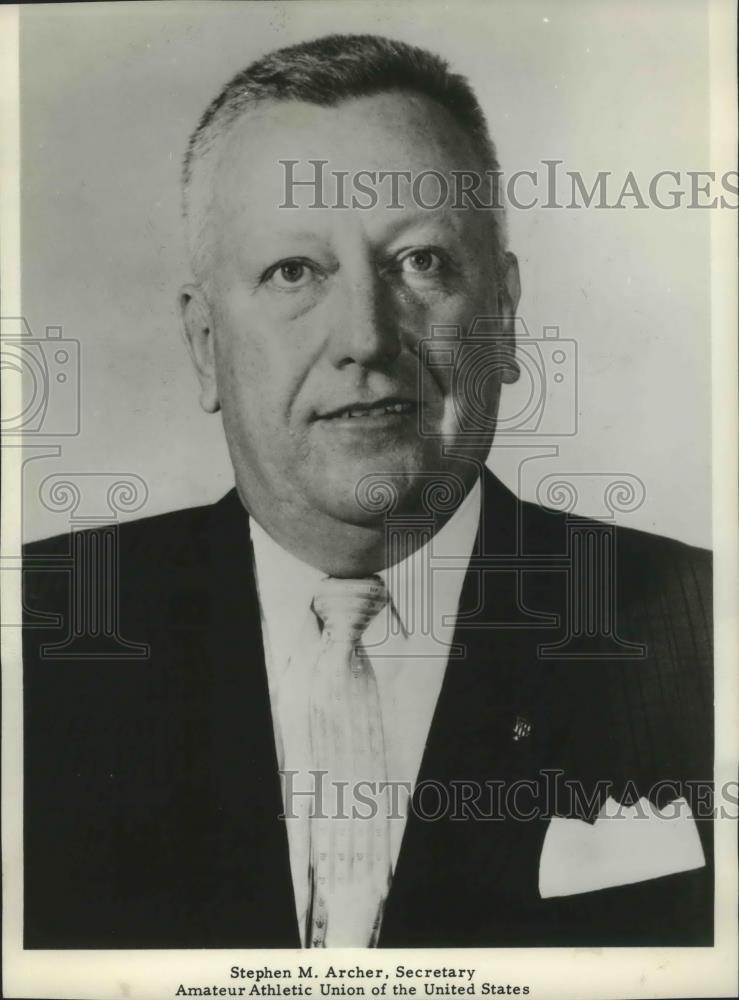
(255, 904)
(466, 874)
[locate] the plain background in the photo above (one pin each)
(110, 93)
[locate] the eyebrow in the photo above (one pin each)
(422, 219)
(400, 219)
(422, 224)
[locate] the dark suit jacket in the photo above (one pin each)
(152, 798)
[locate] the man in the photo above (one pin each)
(369, 608)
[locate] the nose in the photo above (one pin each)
(364, 329)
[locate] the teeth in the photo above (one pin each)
(375, 411)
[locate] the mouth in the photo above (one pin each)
(389, 407)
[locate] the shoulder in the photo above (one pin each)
(159, 534)
(136, 563)
(114, 608)
(655, 591)
(645, 700)
(659, 553)
(641, 560)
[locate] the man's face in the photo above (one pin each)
(315, 315)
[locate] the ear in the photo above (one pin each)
(198, 331)
(509, 293)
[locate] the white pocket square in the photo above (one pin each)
(626, 844)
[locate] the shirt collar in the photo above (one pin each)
(431, 576)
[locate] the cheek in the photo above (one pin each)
(241, 367)
(260, 370)
(446, 327)
(458, 310)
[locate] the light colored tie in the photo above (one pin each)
(349, 854)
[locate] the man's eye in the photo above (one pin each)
(420, 262)
(290, 274)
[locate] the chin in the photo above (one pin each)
(371, 491)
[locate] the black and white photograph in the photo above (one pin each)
(369, 532)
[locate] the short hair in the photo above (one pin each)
(326, 71)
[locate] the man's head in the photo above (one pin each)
(305, 322)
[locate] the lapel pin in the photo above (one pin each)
(521, 728)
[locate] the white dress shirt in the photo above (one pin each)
(408, 644)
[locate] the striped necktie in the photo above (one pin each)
(349, 841)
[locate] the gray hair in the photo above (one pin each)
(326, 71)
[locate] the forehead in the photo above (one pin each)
(394, 132)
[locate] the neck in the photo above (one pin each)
(343, 549)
